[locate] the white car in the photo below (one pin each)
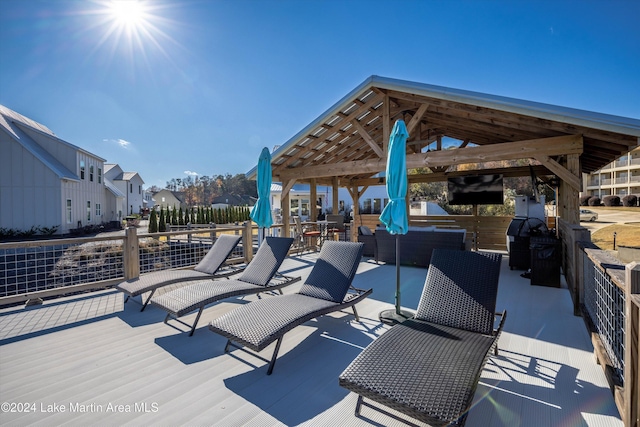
(587, 215)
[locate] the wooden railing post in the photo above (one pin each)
(247, 241)
(631, 390)
(131, 253)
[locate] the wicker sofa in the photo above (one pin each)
(417, 245)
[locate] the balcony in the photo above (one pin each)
(90, 359)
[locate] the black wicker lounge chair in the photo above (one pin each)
(428, 367)
(260, 276)
(210, 267)
(327, 289)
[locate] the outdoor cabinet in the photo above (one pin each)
(545, 261)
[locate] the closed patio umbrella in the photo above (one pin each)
(394, 215)
(261, 211)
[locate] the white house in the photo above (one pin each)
(373, 200)
(45, 181)
(130, 184)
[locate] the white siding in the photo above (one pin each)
(30, 192)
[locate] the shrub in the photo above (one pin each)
(153, 222)
(630, 200)
(611, 200)
(162, 222)
(48, 231)
(594, 201)
(584, 200)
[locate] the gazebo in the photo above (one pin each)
(346, 145)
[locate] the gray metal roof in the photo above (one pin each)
(9, 126)
(294, 152)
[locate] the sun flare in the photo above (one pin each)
(128, 13)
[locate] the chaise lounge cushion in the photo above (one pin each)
(331, 276)
(475, 305)
(261, 274)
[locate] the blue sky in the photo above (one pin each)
(201, 86)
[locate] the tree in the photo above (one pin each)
(153, 222)
(174, 216)
(180, 216)
(162, 226)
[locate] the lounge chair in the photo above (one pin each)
(428, 367)
(211, 266)
(260, 276)
(327, 289)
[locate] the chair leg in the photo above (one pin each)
(226, 347)
(193, 328)
(355, 313)
(275, 355)
(147, 301)
(126, 299)
(358, 405)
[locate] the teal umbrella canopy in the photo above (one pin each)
(394, 215)
(261, 211)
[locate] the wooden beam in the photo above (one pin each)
(287, 186)
(367, 138)
(334, 194)
(554, 146)
(386, 124)
(415, 120)
(572, 180)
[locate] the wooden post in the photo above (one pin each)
(131, 253)
(631, 389)
(286, 226)
(313, 199)
(355, 195)
(247, 241)
(334, 191)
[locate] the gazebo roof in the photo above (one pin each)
(348, 141)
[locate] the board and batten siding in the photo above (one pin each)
(82, 192)
(29, 190)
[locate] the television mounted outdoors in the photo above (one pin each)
(476, 190)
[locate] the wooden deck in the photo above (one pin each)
(105, 363)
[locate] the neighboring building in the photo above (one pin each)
(168, 199)
(372, 201)
(619, 178)
(130, 184)
(225, 200)
(45, 181)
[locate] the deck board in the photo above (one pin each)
(94, 349)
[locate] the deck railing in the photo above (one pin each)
(32, 270)
(611, 306)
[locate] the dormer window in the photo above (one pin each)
(81, 169)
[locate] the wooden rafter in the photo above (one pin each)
(570, 144)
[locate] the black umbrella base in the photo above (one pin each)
(390, 317)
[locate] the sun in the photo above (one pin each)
(127, 13)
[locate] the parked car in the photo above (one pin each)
(587, 215)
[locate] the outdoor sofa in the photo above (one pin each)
(428, 367)
(417, 245)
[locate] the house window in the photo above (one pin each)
(99, 176)
(88, 211)
(131, 188)
(91, 173)
(68, 211)
(81, 169)
(139, 189)
(98, 210)
(163, 200)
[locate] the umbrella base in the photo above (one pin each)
(390, 317)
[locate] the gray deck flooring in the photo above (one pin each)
(105, 363)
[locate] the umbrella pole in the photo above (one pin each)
(398, 274)
(397, 314)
